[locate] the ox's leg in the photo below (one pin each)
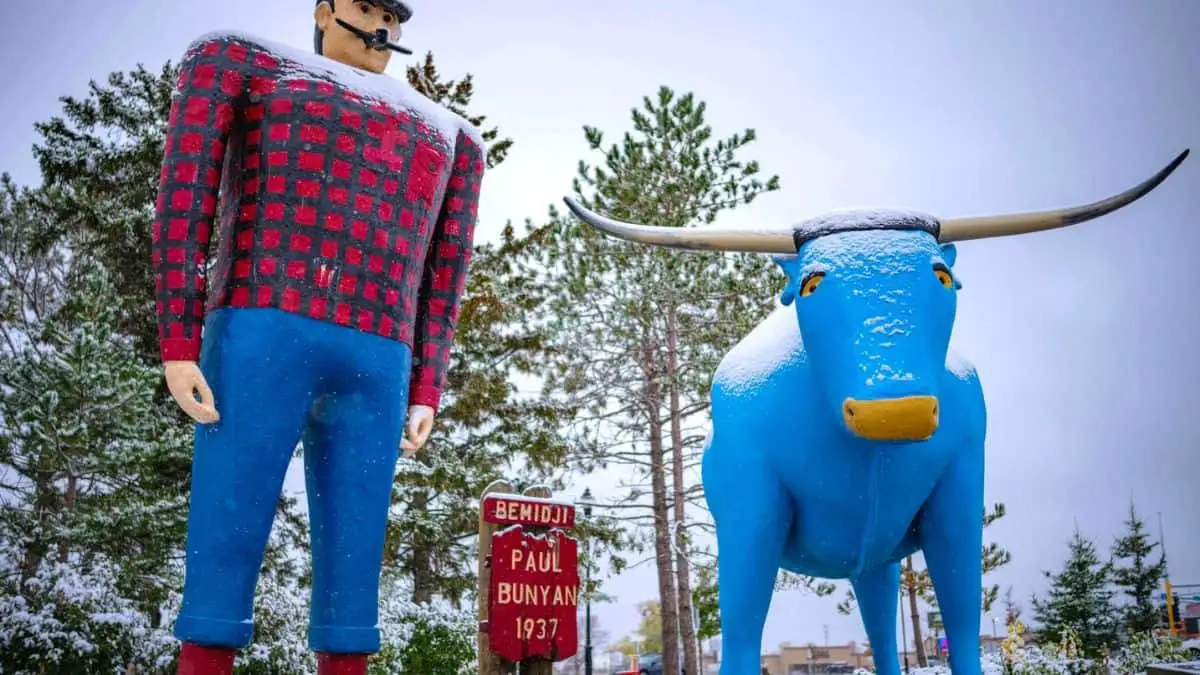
(878, 592)
(951, 532)
(752, 515)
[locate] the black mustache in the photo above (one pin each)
(377, 40)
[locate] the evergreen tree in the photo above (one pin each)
(81, 434)
(100, 161)
(32, 274)
(638, 331)
(66, 605)
(1135, 574)
(1080, 599)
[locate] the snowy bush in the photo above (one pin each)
(68, 618)
(432, 639)
(280, 645)
(1063, 657)
(1144, 649)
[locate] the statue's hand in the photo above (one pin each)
(185, 380)
(420, 423)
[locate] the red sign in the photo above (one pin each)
(522, 510)
(534, 595)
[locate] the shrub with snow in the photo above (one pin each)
(68, 618)
(1063, 658)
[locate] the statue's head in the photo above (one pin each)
(875, 296)
(875, 306)
(360, 33)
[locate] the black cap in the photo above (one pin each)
(401, 9)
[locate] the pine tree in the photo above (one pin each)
(81, 441)
(88, 449)
(32, 273)
(1138, 576)
(1080, 599)
(638, 331)
(100, 161)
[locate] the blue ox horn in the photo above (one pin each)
(787, 240)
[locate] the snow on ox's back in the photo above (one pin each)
(959, 366)
(772, 344)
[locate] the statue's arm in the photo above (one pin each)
(213, 76)
(442, 284)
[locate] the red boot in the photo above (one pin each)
(341, 664)
(200, 660)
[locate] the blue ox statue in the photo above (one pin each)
(845, 434)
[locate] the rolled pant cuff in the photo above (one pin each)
(214, 632)
(343, 639)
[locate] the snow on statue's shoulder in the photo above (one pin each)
(375, 86)
(774, 343)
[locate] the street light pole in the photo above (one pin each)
(903, 632)
(587, 598)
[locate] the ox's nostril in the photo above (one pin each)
(935, 410)
(849, 410)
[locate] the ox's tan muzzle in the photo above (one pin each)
(910, 418)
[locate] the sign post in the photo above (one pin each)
(528, 581)
(1169, 595)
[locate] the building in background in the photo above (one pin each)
(833, 659)
(794, 660)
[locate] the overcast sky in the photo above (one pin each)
(1083, 337)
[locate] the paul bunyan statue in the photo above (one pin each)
(345, 204)
(846, 436)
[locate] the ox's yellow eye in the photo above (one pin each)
(943, 276)
(810, 284)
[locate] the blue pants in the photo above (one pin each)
(278, 378)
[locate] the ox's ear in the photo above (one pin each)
(949, 254)
(790, 264)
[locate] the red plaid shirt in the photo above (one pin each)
(333, 204)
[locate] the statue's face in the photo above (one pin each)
(341, 45)
(876, 309)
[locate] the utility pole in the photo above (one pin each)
(826, 627)
(587, 612)
(1162, 544)
(1168, 592)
